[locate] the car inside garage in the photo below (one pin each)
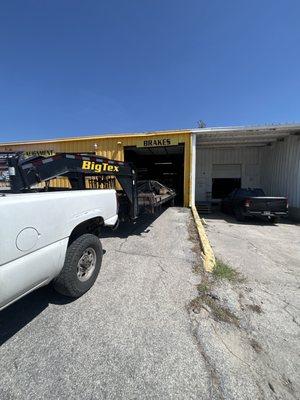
(266, 157)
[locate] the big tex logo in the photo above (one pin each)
(97, 167)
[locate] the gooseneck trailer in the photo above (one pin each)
(50, 234)
(83, 171)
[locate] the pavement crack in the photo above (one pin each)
(162, 268)
(252, 370)
(255, 248)
(16, 365)
(229, 349)
(123, 243)
(150, 255)
(280, 299)
(290, 314)
(215, 389)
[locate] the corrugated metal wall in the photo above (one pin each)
(247, 157)
(275, 168)
(111, 147)
(280, 172)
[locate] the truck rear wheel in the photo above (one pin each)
(81, 267)
(238, 213)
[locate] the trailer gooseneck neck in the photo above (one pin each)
(23, 173)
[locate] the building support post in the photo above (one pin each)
(193, 170)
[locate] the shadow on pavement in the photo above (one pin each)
(125, 229)
(19, 314)
(218, 215)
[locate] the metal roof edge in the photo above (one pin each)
(247, 128)
(98, 137)
(212, 130)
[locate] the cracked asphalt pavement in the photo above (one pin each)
(134, 335)
(129, 337)
(259, 359)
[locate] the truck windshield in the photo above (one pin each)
(251, 192)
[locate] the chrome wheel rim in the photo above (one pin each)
(86, 264)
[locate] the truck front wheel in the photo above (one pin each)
(81, 267)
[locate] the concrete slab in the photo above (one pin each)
(129, 337)
(259, 359)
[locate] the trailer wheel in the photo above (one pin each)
(81, 267)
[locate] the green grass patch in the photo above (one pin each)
(206, 299)
(203, 288)
(224, 271)
(219, 312)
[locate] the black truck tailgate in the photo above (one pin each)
(275, 204)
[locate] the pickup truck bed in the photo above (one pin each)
(269, 204)
(252, 203)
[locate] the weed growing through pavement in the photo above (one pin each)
(225, 271)
(207, 300)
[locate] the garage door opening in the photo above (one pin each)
(162, 164)
(225, 178)
(221, 187)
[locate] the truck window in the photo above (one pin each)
(232, 194)
(256, 192)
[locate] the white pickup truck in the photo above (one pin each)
(51, 235)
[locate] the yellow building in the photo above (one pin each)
(165, 156)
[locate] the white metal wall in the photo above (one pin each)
(280, 169)
(247, 157)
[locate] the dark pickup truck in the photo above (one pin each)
(254, 203)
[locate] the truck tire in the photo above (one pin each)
(238, 213)
(274, 220)
(81, 267)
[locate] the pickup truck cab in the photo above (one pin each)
(248, 202)
(52, 237)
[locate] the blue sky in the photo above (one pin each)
(74, 67)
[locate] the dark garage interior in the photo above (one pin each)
(222, 187)
(162, 164)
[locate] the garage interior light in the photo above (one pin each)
(163, 163)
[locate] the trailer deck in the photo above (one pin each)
(152, 195)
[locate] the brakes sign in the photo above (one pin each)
(157, 142)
